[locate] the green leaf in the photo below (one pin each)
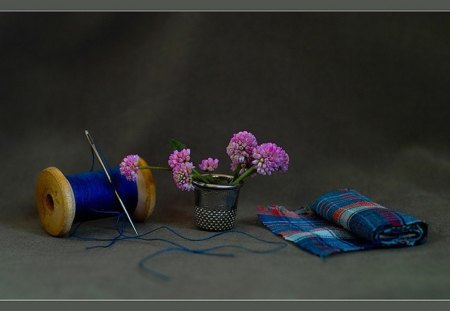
(176, 145)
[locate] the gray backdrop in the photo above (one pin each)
(358, 100)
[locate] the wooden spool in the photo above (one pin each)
(56, 204)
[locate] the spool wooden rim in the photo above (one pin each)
(56, 206)
(55, 201)
(146, 193)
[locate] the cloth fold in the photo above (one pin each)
(343, 221)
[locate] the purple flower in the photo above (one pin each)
(209, 164)
(182, 176)
(268, 158)
(240, 149)
(178, 157)
(129, 167)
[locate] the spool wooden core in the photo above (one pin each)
(56, 204)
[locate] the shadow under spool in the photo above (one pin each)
(57, 206)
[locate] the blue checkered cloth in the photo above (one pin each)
(343, 221)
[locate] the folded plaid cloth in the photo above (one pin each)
(343, 221)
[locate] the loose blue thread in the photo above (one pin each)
(174, 246)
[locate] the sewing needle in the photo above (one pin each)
(91, 142)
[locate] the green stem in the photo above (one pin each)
(155, 168)
(200, 176)
(236, 172)
(246, 174)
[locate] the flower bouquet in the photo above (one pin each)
(216, 195)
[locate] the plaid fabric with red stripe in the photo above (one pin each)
(343, 221)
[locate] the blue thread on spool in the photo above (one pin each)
(94, 195)
(62, 200)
